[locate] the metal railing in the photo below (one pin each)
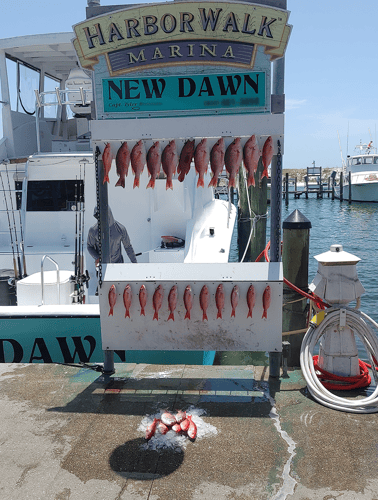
(42, 277)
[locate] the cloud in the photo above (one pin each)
(294, 103)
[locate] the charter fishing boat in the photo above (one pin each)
(362, 167)
(49, 307)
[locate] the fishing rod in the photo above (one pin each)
(14, 224)
(80, 229)
(76, 228)
(22, 244)
(10, 228)
(83, 209)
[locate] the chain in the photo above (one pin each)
(279, 189)
(97, 154)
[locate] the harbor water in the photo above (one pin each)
(353, 226)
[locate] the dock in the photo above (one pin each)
(314, 184)
(73, 434)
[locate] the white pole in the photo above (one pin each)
(6, 112)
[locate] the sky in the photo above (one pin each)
(331, 70)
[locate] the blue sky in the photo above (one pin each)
(331, 71)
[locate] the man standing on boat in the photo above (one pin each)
(117, 235)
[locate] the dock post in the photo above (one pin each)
(320, 184)
(341, 186)
(350, 187)
(329, 186)
(306, 179)
(295, 260)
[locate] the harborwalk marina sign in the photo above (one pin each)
(144, 43)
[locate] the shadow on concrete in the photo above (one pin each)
(131, 460)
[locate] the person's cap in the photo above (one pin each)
(96, 213)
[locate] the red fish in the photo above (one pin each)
(185, 424)
(266, 301)
(112, 298)
(250, 300)
(233, 158)
(204, 301)
(180, 416)
(176, 428)
(234, 299)
(219, 300)
(163, 429)
(185, 160)
(107, 162)
(157, 300)
(201, 161)
(267, 155)
(251, 156)
(122, 163)
(172, 302)
(168, 419)
(192, 431)
(169, 162)
(217, 160)
(153, 163)
(127, 296)
(151, 429)
(138, 160)
(188, 301)
(142, 299)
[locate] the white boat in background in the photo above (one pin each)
(48, 308)
(362, 167)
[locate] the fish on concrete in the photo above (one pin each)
(169, 162)
(217, 160)
(251, 299)
(233, 159)
(107, 158)
(201, 161)
(112, 296)
(234, 300)
(266, 301)
(172, 302)
(127, 297)
(153, 163)
(157, 300)
(138, 160)
(219, 300)
(267, 155)
(185, 159)
(122, 163)
(142, 299)
(204, 301)
(188, 301)
(251, 156)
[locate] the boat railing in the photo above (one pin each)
(72, 97)
(43, 280)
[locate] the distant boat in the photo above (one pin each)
(363, 169)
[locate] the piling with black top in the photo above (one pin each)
(295, 260)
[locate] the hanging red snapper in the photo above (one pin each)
(107, 162)
(251, 156)
(219, 300)
(267, 155)
(204, 301)
(142, 299)
(251, 298)
(169, 162)
(172, 302)
(138, 160)
(112, 296)
(266, 301)
(153, 163)
(192, 431)
(157, 300)
(151, 429)
(217, 160)
(234, 299)
(201, 161)
(232, 159)
(185, 160)
(127, 296)
(122, 163)
(188, 301)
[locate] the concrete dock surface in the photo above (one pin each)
(73, 434)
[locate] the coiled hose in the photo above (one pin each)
(357, 321)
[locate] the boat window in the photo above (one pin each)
(12, 78)
(356, 161)
(50, 84)
(368, 159)
(375, 160)
(54, 196)
(27, 83)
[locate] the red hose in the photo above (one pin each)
(343, 383)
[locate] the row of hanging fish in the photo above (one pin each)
(181, 423)
(170, 160)
(188, 299)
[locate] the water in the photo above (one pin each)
(354, 226)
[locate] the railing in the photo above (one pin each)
(42, 277)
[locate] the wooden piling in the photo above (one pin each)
(341, 186)
(350, 187)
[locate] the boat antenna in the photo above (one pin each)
(10, 229)
(348, 139)
(341, 152)
(14, 223)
